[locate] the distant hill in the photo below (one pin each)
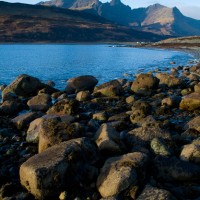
(156, 18)
(35, 23)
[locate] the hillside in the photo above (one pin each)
(34, 23)
(156, 18)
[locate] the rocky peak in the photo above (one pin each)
(115, 2)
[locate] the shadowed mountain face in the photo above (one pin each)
(34, 23)
(156, 18)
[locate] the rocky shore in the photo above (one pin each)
(120, 140)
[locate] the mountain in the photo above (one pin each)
(35, 23)
(156, 18)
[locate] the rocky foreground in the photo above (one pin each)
(119, 140)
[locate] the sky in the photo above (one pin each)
(189, 8)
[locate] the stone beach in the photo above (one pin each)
(120, 140)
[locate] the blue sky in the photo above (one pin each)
(190, 8)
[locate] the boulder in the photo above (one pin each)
(152, 193)
(171, 101)
(64, 107)
(194, 124)
(26, 86)
(41, 102)
(107, 139)
(54, 131)
(81, 83)
(172, 169)
(169, 80)
(144, 81)
(11, 107)
(83, 96)
(109, 89)
(191, 153)
(35, 126)
(23, 121)
(100, 116)
(160, 147)
(32, 134)
(47, 174)
(118, 173)
(142, 136)
(190, 102)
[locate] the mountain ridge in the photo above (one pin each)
(36, 23)
(156, 18)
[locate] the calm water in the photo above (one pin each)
(61, 62)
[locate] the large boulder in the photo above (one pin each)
(108, 139)
(190, 102)
(26, 86)
(81, 83)
(143, 136)
(41, 102)
(23, 121)
(47, 174)
(118, 173)
(169, 80)
(152, 193)
(11, 107)
(64, 107)
(144, 81)
(36, 126)
(109, 89)
(54, 131)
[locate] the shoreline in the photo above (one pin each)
(143, 131)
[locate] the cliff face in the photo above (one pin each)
(156, 18)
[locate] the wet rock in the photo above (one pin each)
(108, 139)
(144, 81)
(118, 173)
(47, 174)
(173, 169)
(160, 147)
(190, 102)
(41, 102)
(168, 80)
(81, 83)
(63, 107)
(83, 96)
(23, 121)
(2, 87)
(152, 193)
(54, 131)
(26, 86)
(109, 89)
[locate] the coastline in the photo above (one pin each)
(145, 126)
